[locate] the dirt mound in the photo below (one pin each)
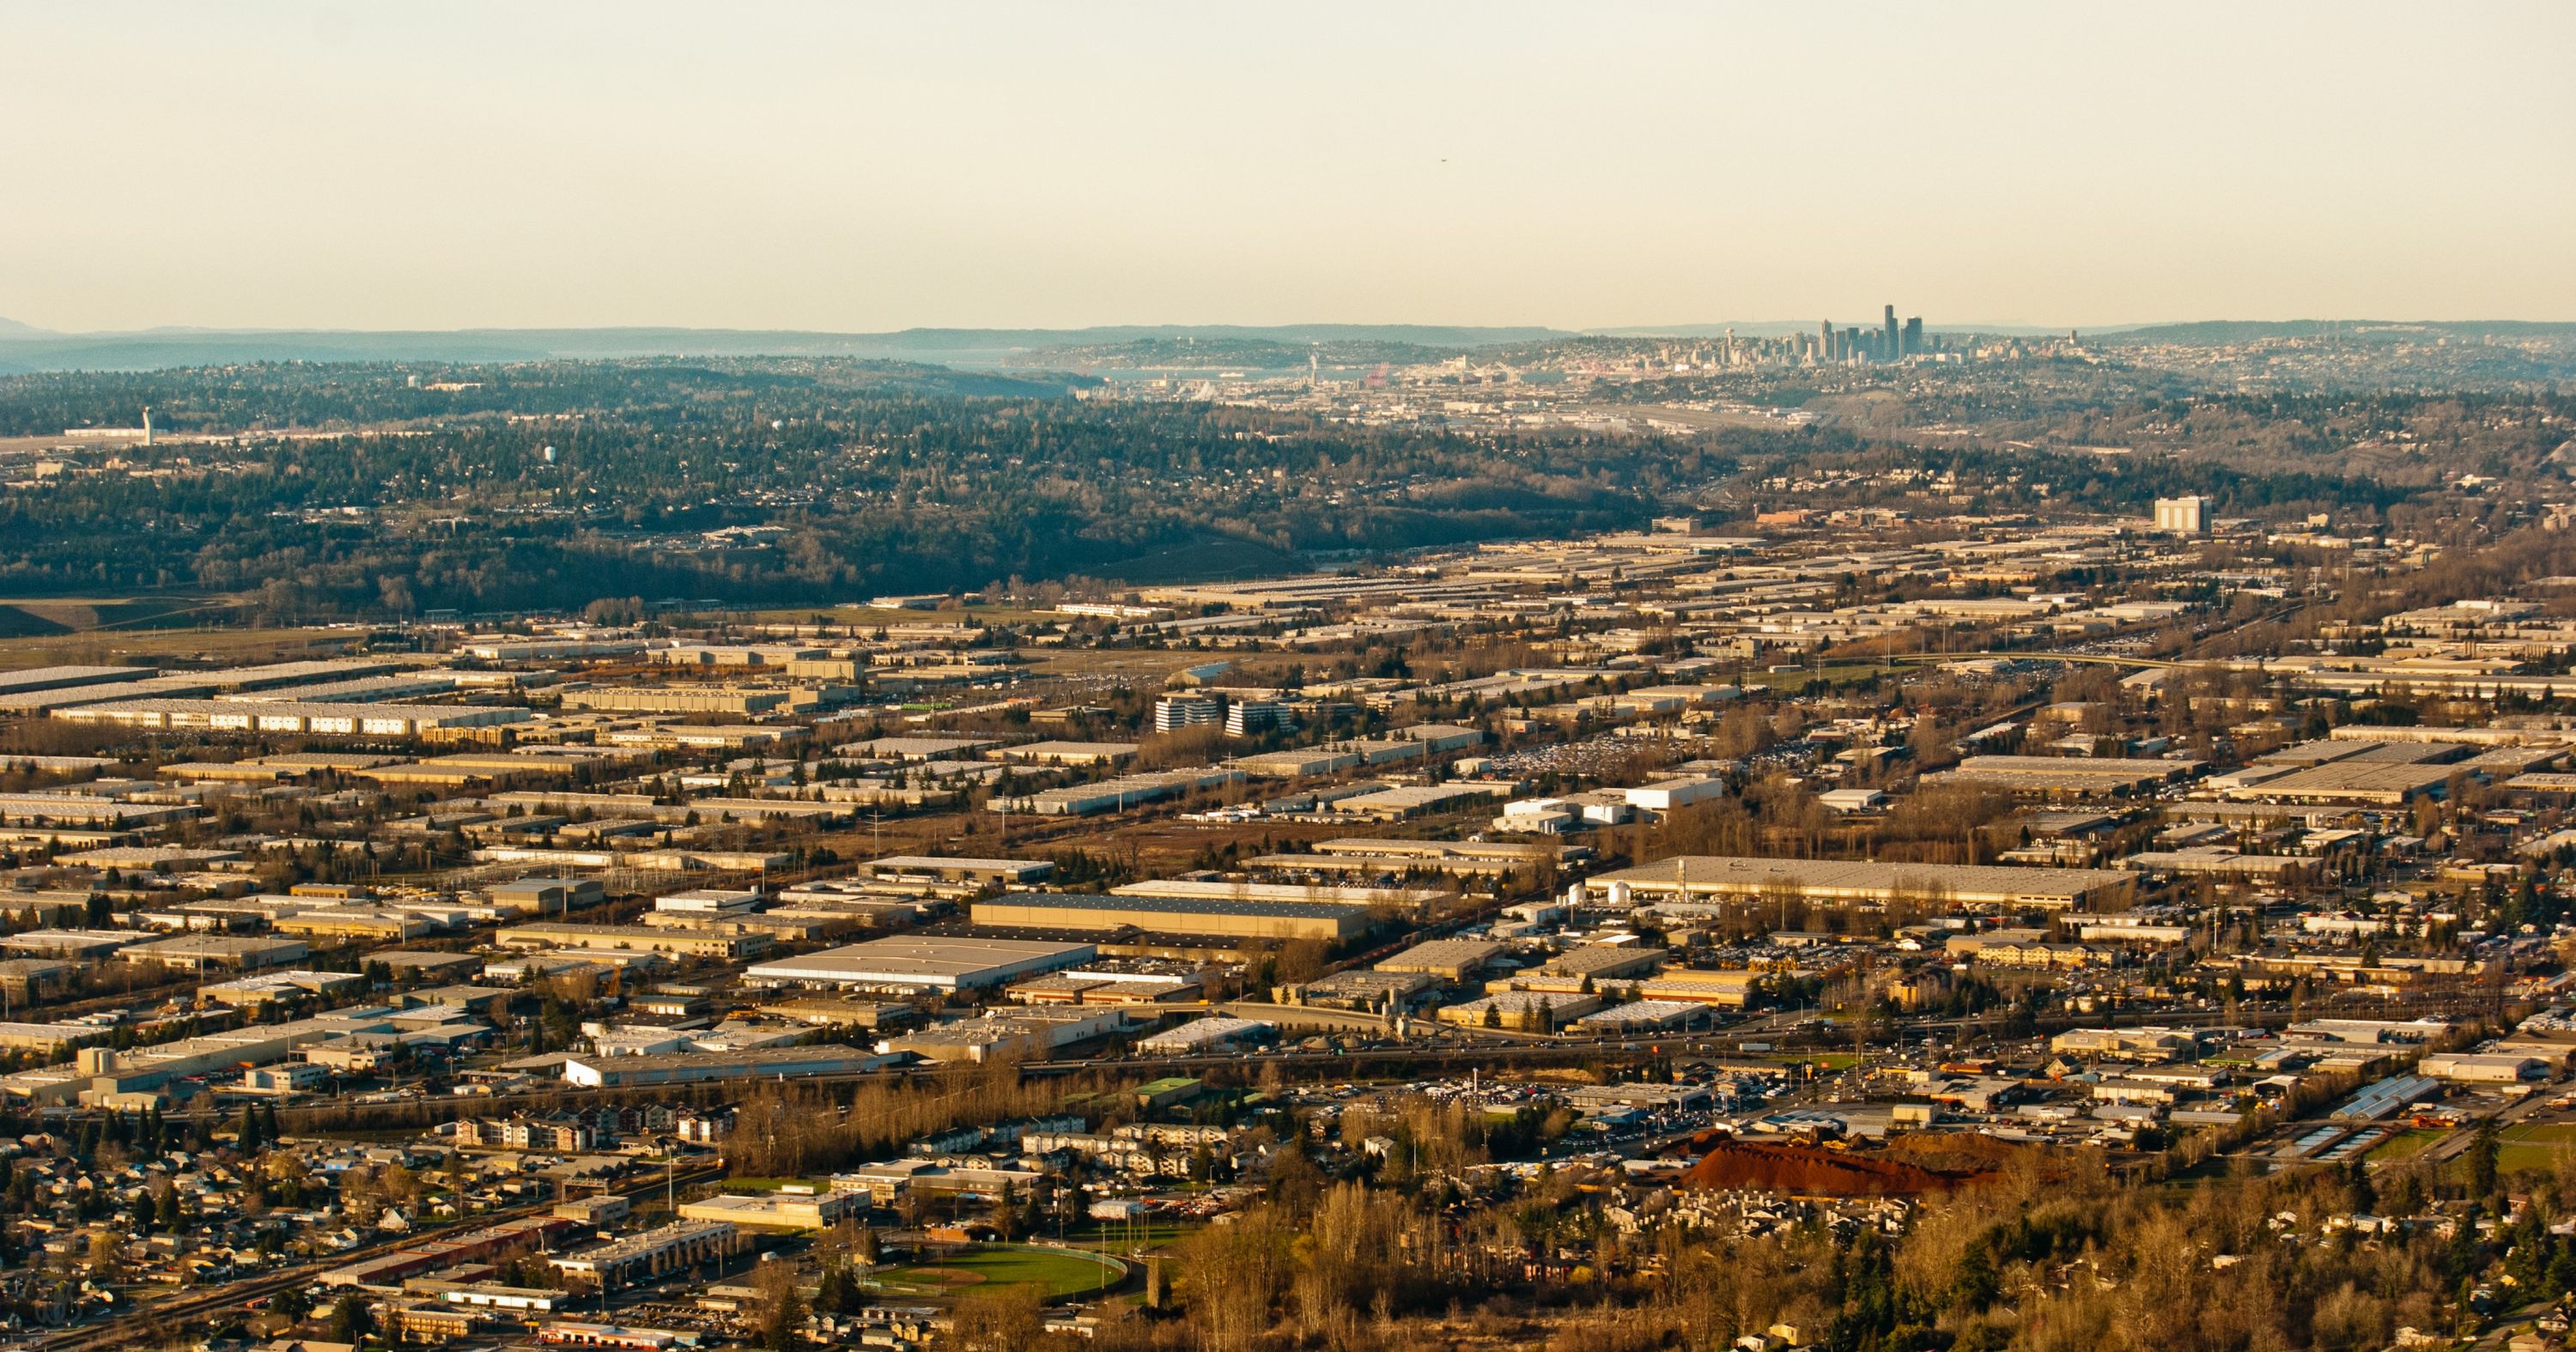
(1906, 1166)
(1809, 1171)
(1956, 1153)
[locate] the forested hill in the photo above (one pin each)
(782, 482)
(355, 395)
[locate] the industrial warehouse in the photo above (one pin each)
(924, 963)
(1249, 919)
(1843, 881)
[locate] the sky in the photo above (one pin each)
(862, 167)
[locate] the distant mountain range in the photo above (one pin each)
(2249, 330)
(24, 348)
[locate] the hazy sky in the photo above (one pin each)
(438, 165)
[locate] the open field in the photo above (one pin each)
(109, 646)
(2405, 1146)
(1054, 1272)
(840, 617)
(2527, 1158)
(1797, 680)
(54, 616)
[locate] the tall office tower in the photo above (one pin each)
(1913, 335)
(1887, 348)
(1825, 341)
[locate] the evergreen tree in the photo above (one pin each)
(351, 1320)
(838, 1293)
(2482, 1161)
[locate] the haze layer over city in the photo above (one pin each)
(1348, 679)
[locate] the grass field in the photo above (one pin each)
(111, 646)
(1115, 1236)
(2512, 1158)
(2542, 1133)
(1797, 680)
(1054, 1273)
(2404, 1146)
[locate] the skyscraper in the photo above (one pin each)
(1913, 335)
(1888, 349)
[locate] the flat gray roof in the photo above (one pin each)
(1852, 878)
(926, 961)
(1088, 901)
(926, 863)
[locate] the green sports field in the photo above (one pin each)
(1053, 1272)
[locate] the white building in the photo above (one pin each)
(1174, 712)
(1666, 795)
(2183, 516)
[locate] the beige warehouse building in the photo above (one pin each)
(1723, 878)
(635, 938)
(1175, 915)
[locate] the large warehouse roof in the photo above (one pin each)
(1016, 870)
(2066, 774)
(1174, 915)
(1710, 876)
(1323, 893)
(947, 963)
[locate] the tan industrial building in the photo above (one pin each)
(688, 699)
(635, 938)
(1361, 856)
(1392, 898)
(1447, 959)
(1066, 753)
(960, 870)
(2066, 776)
(1723, 878)
(925, 962)
(345, 720)
(1732, 989)
(1175, 915)
(1521, 1011)
(2360, 782)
